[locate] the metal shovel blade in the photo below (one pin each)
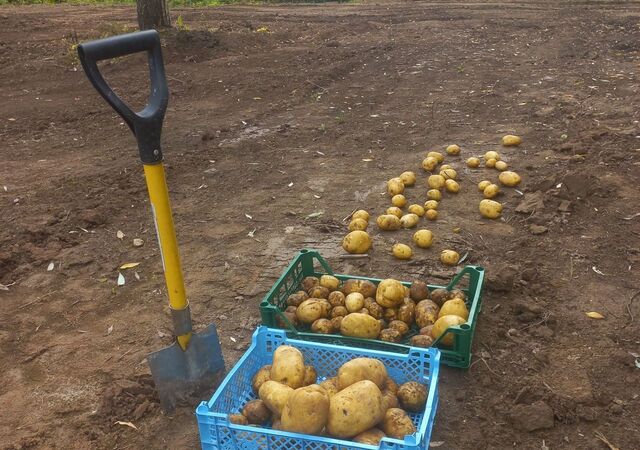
(182, 377)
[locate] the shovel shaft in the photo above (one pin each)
(159, 196)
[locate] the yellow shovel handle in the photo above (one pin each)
(159, 196)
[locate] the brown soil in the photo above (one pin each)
(329, 87)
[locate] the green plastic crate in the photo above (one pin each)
(310, 263)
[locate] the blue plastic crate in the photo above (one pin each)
(216, 433)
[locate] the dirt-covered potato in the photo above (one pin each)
(510, 140)
(456, 293)
(408, 178)
(331, 386)
(291, 309)
(492, 155)
(368, 301)
(491, 191)
(336, 322)
(431, 214)
(310, 375)
(375, 310)
(409, 220)
(399, 201)
(310, 310)
(412, 396)
(509, 178)
(426, 331)
(291, 316)
(416, 209)
(287, 366)
(394, 211)
(389, 399)
(365, 287)
(456, 307)
(437, 155)
(326, 307)
(419, 290)
(322, 326)
(426, 313)
(449, 174)
(275, 396)
(421, 340)
(449, 257)
(483, 185)
(435, 181)
(406, 314)
(356, 242)
(440, 328)
(260, 377)
(390, 335)
(400, 326)
(390, 293)
(402, 251)
(429, 164)
(359, 369)
(423, 238)
(354, 302)
(501, 166)
(452, 186)
(309, 282)
(338, 311)
(256, 412)
(453, 149)
(473, 162)
(355, 409)
(397, 423)
(306, 411)
(395, 186)
(296, 298)
(238, 419)
(360, 214)
(318, 292)
(434, 194)
(439, 296)
(388, 222)
(490, 209)
(371, 437)
(409, 301)
(490, 163)
(336, 298)
(360, 325)
(358, 224)
(390, 385)
(390, 314)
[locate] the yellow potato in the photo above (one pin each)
(388, 222)
(449, 257)
(483, 184)
(408, 178)
(256, 412)
(310, 310)
(355, 409)
(454, 307)
(510, 140)
(409, 220)
(449, 174)
(437, 155)
(359, 369)
(261, 376)
(431, 214)
(399, 200)
(423, 238)
(275, 395)
(358, 224)
(330, 282)
(306, 411)
(435, 181)
(412, 396)
(452, 186)
(397, 423)
(501, 166)
(492, 155)
(453, 149)
(395, 211)
(331, 386)
(441, 325)
(429, 164)
(360, 214)
(490, 163)
(473, 162)
(402, 251)
(360, 325)
(238, 419)
(371, 437)
(357, 241)
(310, 375)
(395, 186)
(354, 302)
(390, 293)
(416, 209)
(491, 191)
(426, 313)
(509, 178)
(490, 209)
(446, 166)
(288, 366)
(434, 194)
(365, 287)
(431, 204)
(322, 326)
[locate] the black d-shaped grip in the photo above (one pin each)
(146, 124)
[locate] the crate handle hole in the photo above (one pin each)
(465, 326)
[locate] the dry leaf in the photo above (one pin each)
(126, 424)
(129, 265)
(3, 287)
(119, 234)
(248, 216)
(109, 330)
(135, 274)
(594, 315)
(120, 279)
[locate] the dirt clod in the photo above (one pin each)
(537, 416)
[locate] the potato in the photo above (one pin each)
(306, 411)
(376, 311)
(492, 155)
(310, 375)
(426, 313)
(437, 155)
(473, 162)
(412, 396)
(319, 292)
(408, 178)
(275, 395)
(331, 386)
(435, 181)
(490, 163)
(390, 293)
(238, 419)
(256, 412)
(310, 282)
(426, 331)
(287, 366)
(420, 340)
(394, 211)
(395, 186)
(390, 314)
(388, 222)
(399, 201)
(291, 316)
(434, 194)
(360, 214)
(449, 257)
(409, 220)
(291, 309)
(399, 325)
(431, 214)
(322, 326)
(260, 377)
(359, 369)
(456, 307)
(483, 185)
(397, 424)
(419, 290)
(446, 166)
(355, 409)
(325, 306)
(449, 174)
(336, 298)
(389, 399)
(509, 178)
(390, 335)
(358, 224)
(501, 165)
(510, 140)
(491, 191)
(453, 149)
(338, 311)
(276, 425)
(407, 291)
(406, 314)
(440, 328)
(336, 322)
(365, 287)
(431, 204)
(456, 293)
(423, 238)
(360, 325)
(364, 311)
(490, 209)
(408, 301)
(371, 437)
(452, 186)
(429, 164)
(354, 302)
(310, 310)
(296, 298)
(416, 209)
(357, 242)
(439, 296)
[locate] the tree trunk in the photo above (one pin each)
(153, 14)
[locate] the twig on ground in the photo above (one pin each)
(350, 214)
(605, 440)
(36, 300)
(628, 306)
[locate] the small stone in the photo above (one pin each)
(512, 332)
(137, 242)
(531, 203)
(543, 332)
(616, 409)
(565, 206)
(587, 413)
(537, 229)
(536, 416)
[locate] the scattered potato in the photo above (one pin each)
(355, 409)
(452, 186)
(426, 313)
(454, 307)
(390, 335)
(492, 155)
(256, 412)
(510, 140)
(437, 155)
(402, 251)
(354, 302)
(399, 201)
(416, 209)
(420, 340)
(322, 326)
(453, 149)
(360, 325)
(431, 204)
(490, 209)
(429, 163)
(509, 178)
(306, 411)
(412, 396)
(330, 282)
(409, 220)
(397, 423)
(441, 325)
(260, 377)
(395, 211)
(360, 214)
(275, 396)
(388, 222)
(501, 165)
(449, 257)
(473, 162)
(446, 166)
(423, 238)
(408, 178)
(434, 194)
(449, 174)
(395, 186)
(483, 185)
(431, 214)
(390, 293)
(491, 191)
(336, 298)
(238, 419)
(490, 163)
(365, 287)
(371, 437)
(358, 224)
(357, 242)
(435, 181)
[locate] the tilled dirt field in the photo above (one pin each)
(314, 116)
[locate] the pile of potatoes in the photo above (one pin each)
(361, 403)
(389, 311)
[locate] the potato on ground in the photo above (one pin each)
(358, 224)
(357, 242)
(508, 178)
(275, 395)
(492, 155)
(388, 222)
(453, 149)
(436, 181)
(452, 186)
(490, 209)
(434, 194)
(473, 162)
(449, 257)
(360, 214)
(412, 396)
(416, 209)
(306, 411)
(390, 293)
(491, 191)
(456, 307)
(360, 325)
(256, 412)
(399, 201)
(359, 369)
(423, 238)
(449, 174)
(371, 437)
(426, 313)
(408, 178)
(397, 424)
(260, 377)
(409, 220)
(431, 214)
(483, 185)
(355, 409)
(395, 186)
(490, 163)
(402, 251)
(441, 326)
(365, 287)
(429, 163)
(501, 166)
(287, 366)
(510, 140)
(437, 155)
